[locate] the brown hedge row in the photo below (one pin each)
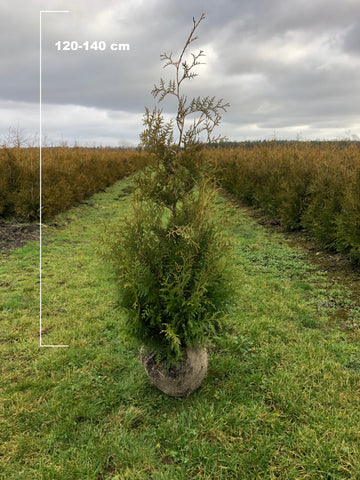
(69, 175)
(303, 186)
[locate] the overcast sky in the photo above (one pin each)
(289, 69)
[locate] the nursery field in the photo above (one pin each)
(314, 187)
(69, 176)
(307, 186)
(281, 399)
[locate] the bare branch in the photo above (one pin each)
(207, 111)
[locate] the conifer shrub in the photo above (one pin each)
(325, 192)
(5, 202)
(348, 222)
(308, 186)
(69, 175)
(292, 189)
(19, 180)
(170, 254)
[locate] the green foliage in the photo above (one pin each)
(348, 224)
(314, 187)
(170, 253)
(172, 272)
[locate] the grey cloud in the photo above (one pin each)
(280, 64)
(352, 39)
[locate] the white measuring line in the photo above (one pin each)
(40, 193)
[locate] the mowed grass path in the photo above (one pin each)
(281, 399)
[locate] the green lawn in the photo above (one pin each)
(281, 399)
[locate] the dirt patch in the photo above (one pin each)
(15, 234)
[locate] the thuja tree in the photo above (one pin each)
(170, 253)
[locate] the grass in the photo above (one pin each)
(280, 401)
